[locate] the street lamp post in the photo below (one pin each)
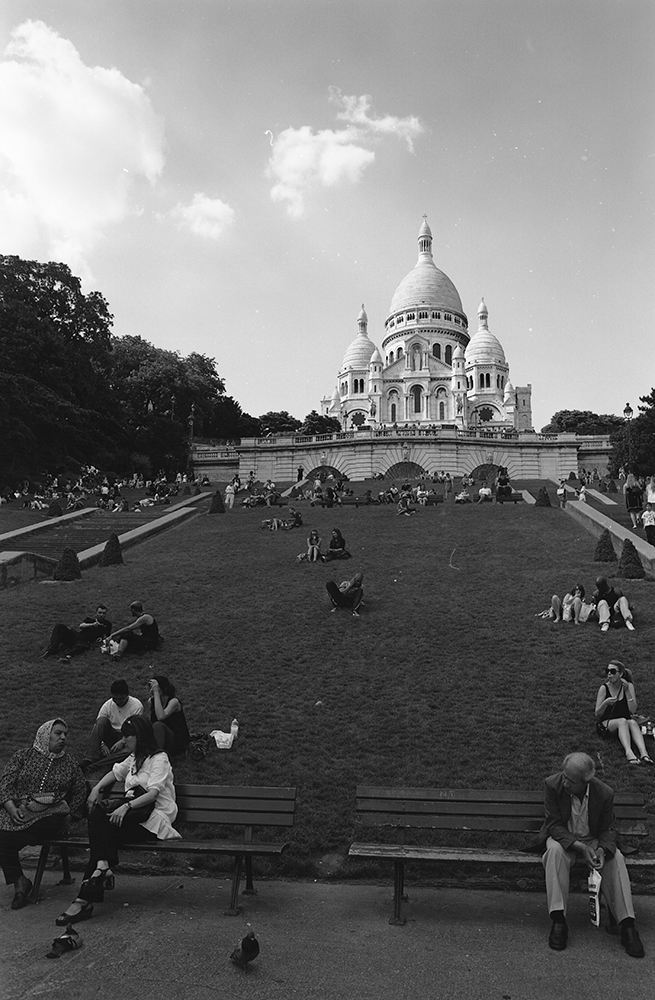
(627, 416)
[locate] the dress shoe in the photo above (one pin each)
(22, 894)
(559, 933)
(632, 942)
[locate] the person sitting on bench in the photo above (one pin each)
(140, 636)
(69, 642)
(348, 594)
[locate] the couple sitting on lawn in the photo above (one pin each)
(337, 548)
(609, 604)
(138, 637)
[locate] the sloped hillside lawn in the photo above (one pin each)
(447, 679)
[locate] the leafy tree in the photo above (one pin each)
(315, 423)
(56, 407)
(582, 422)
(633, 444)
(279, 423)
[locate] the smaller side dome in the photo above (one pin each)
(458, 352)
(376, 357)
(336, 397)
(358, 354)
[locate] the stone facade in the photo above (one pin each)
(430, 372)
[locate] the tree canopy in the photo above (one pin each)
(633, 443)
(582, 422)
(55, 400)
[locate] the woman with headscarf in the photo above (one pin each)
(40, 788)
(145, 813)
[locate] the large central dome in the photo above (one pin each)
(426, 285)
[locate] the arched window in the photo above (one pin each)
(400, 353)
(436, 350)
(482, 381)
(393, 413)
(391, 355)
(442, 411)
(416, 395)
(449, 355)
(488, 380)
(498, 381)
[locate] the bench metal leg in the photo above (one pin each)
(249, 889)
(398, 886)
(66, 878)
(40, 868)
(234, 909)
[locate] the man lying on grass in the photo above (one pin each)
(69, 643)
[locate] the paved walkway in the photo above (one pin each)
(166, 937)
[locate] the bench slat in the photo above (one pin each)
(229, 816)
(235, 792)
(404, 813)
(184, 846)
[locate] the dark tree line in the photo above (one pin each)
(71, 393)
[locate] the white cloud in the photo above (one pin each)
(73, 141)
(356, 111)
(302, 158)
(208, 217)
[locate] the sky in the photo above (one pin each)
(238, 178)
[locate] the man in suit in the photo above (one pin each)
(579, 819)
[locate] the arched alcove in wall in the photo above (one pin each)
(406, 470)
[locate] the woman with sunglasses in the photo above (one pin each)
(616, 704)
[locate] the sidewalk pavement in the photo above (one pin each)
(163, 937)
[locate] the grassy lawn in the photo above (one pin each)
(447, 679)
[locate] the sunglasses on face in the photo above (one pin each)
(611, 671)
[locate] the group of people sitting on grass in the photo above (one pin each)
(607, 605)
(336, 548)
(294, 520)
(140, 636)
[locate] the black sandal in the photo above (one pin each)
(85, 912)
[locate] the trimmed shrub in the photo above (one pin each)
(68, 567)
(197, 491)
(54, 510)
(602, 486)
(543, 500)
(605, 549)
(217, 505)
(630, 567)
(111, 554)
(186, 492)
(611, 487)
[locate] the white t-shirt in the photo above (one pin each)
(116, 715)
(156, 772)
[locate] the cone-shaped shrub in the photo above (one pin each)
(604, 549)
(197, 491)
(54, 510)
(186, 492)
(217, 506)
(572, 475)
(611, 487)
(630, 567)
(111, 554)
(68, 567)
(602, 486)
(543, 500)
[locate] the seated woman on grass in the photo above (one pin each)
(337, 548)
(314, 546)
(572, 607)
(616, 704)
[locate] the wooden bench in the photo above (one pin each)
(433, 501)
(512, 497)
(216, 805)
(414, 809)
